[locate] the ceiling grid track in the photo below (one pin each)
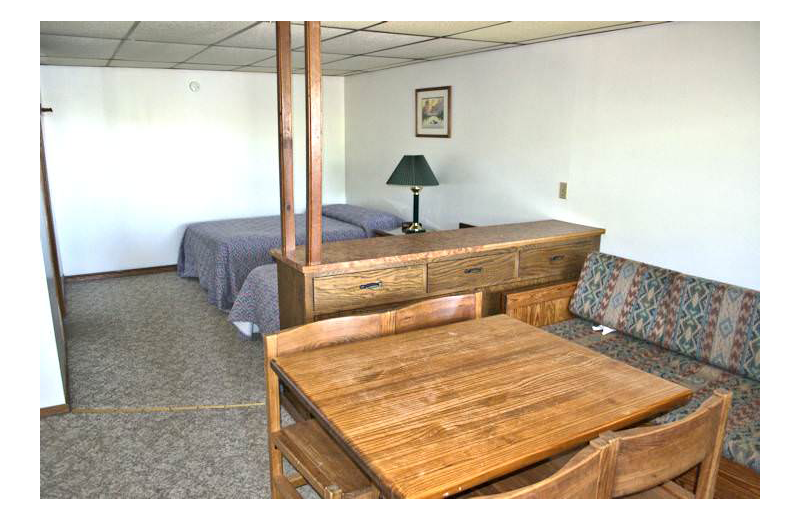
(352, 47)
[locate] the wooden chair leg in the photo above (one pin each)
(273, 416)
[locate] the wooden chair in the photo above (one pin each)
(649, 457)
(588, 474)
(320, 462)
(640, 463)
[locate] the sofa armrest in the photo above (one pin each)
(540, 306)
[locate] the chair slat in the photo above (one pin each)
(320, 460)
(284, 488)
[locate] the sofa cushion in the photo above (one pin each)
(742, 436)
(709, 321)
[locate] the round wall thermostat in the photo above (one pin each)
(194, 86)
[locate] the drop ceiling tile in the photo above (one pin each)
(365, 42)
(348, 25)
(151, 51)
(75, 62)
(335, 72)
(76, 47)
(434, 48)
(262, 36)
(329, 71)
(299, 59)
(256, 69)
(430, 28)
(366, 62)
(204, 66)
(231, 56)
(594, 30)
(140, 64)
(519, 31)
(201, 33)
(496, 47)
(113, 30)
(326, 33)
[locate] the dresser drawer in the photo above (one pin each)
(466, 273)
(351, 291)
(557, 262)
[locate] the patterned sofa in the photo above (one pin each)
(698, 333)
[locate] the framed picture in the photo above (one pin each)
(433, 112)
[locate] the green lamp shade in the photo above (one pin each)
(413, 170)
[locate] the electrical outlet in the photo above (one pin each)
(562, 190)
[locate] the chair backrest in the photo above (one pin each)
(586, 475)
(325, 333)
(650, 456)
(622, 463)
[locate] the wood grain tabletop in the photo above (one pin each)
(433, 412)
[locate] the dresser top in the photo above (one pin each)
(362, 253)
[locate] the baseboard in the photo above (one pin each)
(53, 410)
(120, 274)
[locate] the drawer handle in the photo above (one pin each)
(473, 270)
(556, 258)
(371, 285)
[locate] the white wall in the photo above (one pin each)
(655, 129)
(133, 156)
(51, 386)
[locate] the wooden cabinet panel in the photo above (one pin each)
(540, 306)
(351, 291)
(466, 273)
(562, 261)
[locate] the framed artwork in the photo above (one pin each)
(433, 109)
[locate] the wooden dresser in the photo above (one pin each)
(366, 275)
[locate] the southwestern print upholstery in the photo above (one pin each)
(710, 321)
(742, 436)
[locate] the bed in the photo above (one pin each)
(221, 253)
(256, 307)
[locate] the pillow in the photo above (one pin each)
(367, 219)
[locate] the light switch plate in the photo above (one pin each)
(562, 190)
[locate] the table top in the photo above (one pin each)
(433, 412)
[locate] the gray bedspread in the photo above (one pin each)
(222, 253)
(256, 305)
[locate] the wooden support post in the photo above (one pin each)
(284, 43)
(313, 144)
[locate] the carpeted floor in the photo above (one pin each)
(152, 341)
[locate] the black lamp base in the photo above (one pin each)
(415, 226)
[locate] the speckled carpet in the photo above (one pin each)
(153, 341)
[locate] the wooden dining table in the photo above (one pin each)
(436, 411)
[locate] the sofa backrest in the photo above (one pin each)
(710, 321)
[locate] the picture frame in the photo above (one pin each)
(433, 113)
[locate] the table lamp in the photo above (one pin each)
(413, 170)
